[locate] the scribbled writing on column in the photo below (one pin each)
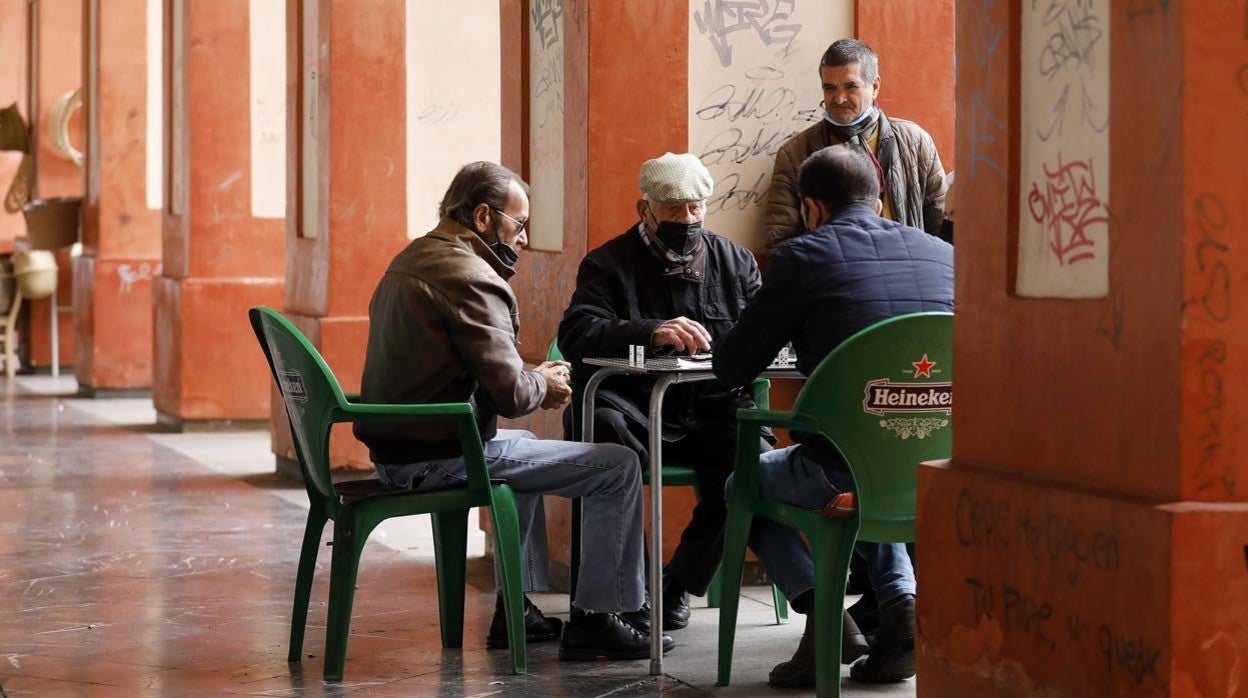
(986, 127)
(718, 20)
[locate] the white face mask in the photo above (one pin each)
(858, 120)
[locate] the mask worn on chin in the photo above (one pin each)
(859, 120)
(506, 253)
(681, 238)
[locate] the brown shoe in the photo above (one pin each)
(892, 657)
(799, 672)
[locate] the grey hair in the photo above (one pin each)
(847, 51)
(477, 183)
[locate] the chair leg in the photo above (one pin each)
(574, 562)
(507, 547)
(349, 538)
(781, 605)
(832, 548)
(450, 544)
(303, 580)
(736, 536)
(715, 592)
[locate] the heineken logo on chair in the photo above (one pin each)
(885, 397)
(292, 385)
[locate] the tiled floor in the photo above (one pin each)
(135, 562)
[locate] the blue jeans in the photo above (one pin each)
(788, 476)
(606, 476)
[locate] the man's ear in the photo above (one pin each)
(641, 209)
(879, 206)
(812, 208)
(481, 216)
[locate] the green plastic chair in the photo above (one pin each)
(883, 451)
(673, 476)
(315, 402)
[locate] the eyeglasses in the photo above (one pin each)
(520, 225)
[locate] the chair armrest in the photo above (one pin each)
(762, 393)
(374, 412)
(788, 419)
(459, 413)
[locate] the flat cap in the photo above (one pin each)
(672, 177)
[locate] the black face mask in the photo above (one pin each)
(506, 253)
(681, 238)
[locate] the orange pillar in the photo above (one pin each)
(346, 217)
(13, 84)
(121, 219)
(218, 256)
(58, 66)
(1088, 536)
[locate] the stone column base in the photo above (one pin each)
(1027, 588)
(207, 365)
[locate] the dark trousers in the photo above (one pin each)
(711, 454)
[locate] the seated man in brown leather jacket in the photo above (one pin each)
(667, 284)
(442, 328)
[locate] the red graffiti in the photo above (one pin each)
(1067, 206)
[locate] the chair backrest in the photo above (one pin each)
(884, 398)
(311, 395)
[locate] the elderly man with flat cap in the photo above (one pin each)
(672, 286)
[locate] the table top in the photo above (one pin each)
(671, 364)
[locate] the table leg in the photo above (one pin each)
(656, 522)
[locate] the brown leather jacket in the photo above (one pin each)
(915, 179)
(442, 328)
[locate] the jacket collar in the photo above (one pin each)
(455, 233)
(882, 124)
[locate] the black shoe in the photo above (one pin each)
(866, 614)
(675, 604)
(853, 642)
(892, 657)
(537, 627)
(639, 619)
(590, 636)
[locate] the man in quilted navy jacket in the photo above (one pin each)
(851, 270)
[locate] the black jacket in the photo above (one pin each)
(621, 297)
(826, 284)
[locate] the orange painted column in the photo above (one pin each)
(58, 67)
(218, 258)
(346, 217)
(1089, 535)
(121, 230)
(13, 84)
(914, 40)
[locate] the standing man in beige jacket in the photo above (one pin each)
(912, 181)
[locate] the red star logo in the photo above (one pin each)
(923, 367)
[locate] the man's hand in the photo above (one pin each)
(558, 392)
(683, 334)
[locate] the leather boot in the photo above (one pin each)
(590, 636)
(799, 672)
(537, 627)
(892, 657)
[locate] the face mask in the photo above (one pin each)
(680, 238)
(859, 120)
(506, 253)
